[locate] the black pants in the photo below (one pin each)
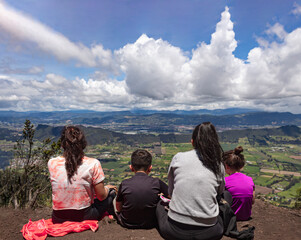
(94, 212)
(172, 230)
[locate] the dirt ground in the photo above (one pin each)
(271, 223)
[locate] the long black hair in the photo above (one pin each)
(73, 142)
(206, 144)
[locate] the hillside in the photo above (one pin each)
(99, 135)
(261, 135)
(272, 223)
(154, 121)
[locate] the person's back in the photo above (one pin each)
(79, 194)
(76, 179)
(240, 186)
(138, 196)
(195, 179)
(194, 189)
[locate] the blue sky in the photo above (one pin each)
(180, 54)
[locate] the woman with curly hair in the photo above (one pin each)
(75, 180)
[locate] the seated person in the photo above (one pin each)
(138, 196)
(195, 179)
(75, 179)
(240, 186)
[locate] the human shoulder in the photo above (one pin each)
(190, 152)
(186, 154)
(242, 175)
(90, 160)
(250, 179)
(182, 157)
(232, 177)
(128, 180)
(56, 160)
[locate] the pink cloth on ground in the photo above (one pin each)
(38, 230)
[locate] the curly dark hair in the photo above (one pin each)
(73, 141)
(234, 159)
(206, 144)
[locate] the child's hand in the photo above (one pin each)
(112, 187)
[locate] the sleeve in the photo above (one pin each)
(119, 197)
(163, 188)
(49, 165)
(170, 176)
(97, 173)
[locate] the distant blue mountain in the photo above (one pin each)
(152, 120)
(227, 111)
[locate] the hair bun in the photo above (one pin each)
(238, 150)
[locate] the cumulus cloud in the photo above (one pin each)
(153, 68)
(215, 71)
(56, 92)
(158, 75)
(274, 72)
(24, 28)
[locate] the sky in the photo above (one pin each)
(111, 55)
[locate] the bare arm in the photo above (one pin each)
(101, 191)
(253, 199)
(118, 206)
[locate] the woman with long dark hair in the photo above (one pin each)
(195, 178)
(76, 179)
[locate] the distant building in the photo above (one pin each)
(157, 149)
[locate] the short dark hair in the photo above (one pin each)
(234, 159)
(141, 160)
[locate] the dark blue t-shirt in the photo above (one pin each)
(139, 197)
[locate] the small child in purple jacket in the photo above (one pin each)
(240, 186)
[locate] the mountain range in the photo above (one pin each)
(155, 121)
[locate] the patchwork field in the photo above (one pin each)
(274, 166)
(275, 169)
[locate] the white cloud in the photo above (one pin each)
(161, 76)
(214, 69)
(24, 28)
(274, 72)
(153, 68)
(278, 30)
(56, 92)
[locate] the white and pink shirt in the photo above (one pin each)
(80, 193)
